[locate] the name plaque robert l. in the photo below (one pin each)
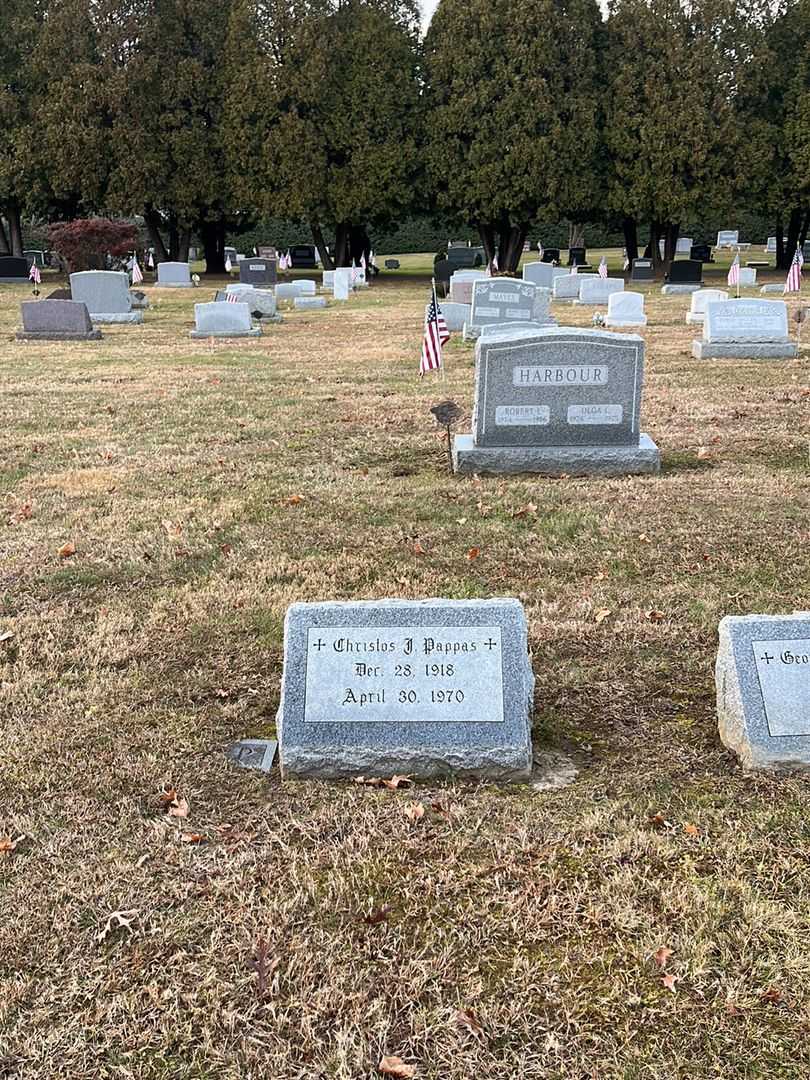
(423, 688)
(394, 674)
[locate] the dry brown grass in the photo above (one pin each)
(169, 464)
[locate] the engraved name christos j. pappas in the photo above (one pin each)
(404, 674)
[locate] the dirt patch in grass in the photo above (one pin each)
(204, 488)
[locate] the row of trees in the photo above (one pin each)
(338, 115)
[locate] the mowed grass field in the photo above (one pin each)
(307, 930)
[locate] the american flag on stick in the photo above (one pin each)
(436, 336)
(603, 270)
(794, 278)
(150, 262)
(232, 297)
(137, 276)
(228, 265)
(34, 274)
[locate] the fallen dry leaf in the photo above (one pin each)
(414, 811)
(473, 553)
(8, 846)
(294, 500)
(395, 1066)
(377, 916)
(691, 830)
(173, 803)
(192, 837)
(119, 920)
(368, 781)
(658, 821)
(172, 528)
(524, 511)
(466, 1018)
(772, 995)
(601, 614)
(661, 956)
(66, 550)
(655, 616)
(669, 982)
(7, 635)
(397, 782)
(418, 549)
(704, 453)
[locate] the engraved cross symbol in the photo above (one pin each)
(767, 658)
(491, 644)
(320, 644)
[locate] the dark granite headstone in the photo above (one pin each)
(258, 272)
(685, 272)
(465, 257)
(442, 272)
(551, 255)
(701, 253)
(577, 256)
(643, 270)
(303, 257)
(392, 264)
(56, 320)
(266, 252)
(13, 270)
(60, 294)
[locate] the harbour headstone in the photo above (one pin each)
(556, 401)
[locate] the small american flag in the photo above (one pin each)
(34, 274)
(228, 265)
(734, 271)
(232, 297)
(436, 337)
(540, 249)
(495, 262)
(363, 262)
(354, 272)
(151, 261)
(794, 278)
(137, 276)
(574, 267)
(603, 270)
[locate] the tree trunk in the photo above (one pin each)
(804, 229)
(342, 244)
(630, 230)
(4, 245)
(576, 235)
(487, 234)
(794, 226)
(326, 259)
(671, 230)
(152, 220)
(174, 238)
(15, 228)
(184, 243)
(510, 247)
(655, 250)
(359, 246)
(213, 240)
(780, 246)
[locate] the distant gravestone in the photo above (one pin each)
(770, 246)
(596, 290)
(174, 275)
(507, 300)
(391, 264)
(542, 273)
(309, 303)
(258, 272)
(460, 257)
(577, 256)
(420, 688)
(304, 257)
(262, 302)
(106, 294)
(56, 320)
(342, 284)
(683, 245)
(267, 252)
(625, 309)
(556, 401)
(34, 256)
(254, 754)
(551, 255)
(700, 301)
(455, 315)
(728, 238)
(288, 290)
(701, 253)
(773, 287)
(13, 270)
(566, 287)
(748, 277)
(763, 689)
(748, 329)
(461, 285)
(642, 270)
(223, 320)
(685, 276)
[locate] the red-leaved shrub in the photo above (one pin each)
(85, 243)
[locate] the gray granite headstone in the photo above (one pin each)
(262, 302)
(56, 320)
(626, 309)
(421, 688)
(763, 689)
(288, 290)
(455, 315)
(258, 272)
(507, 300)
(748, 329)
(642, 270)
(106, 294)
(700, 301)
(773, 287)
(391, 264)
(566, 287)
(728, 238)
(223, 320)
(309, 303)
(597, 290)
(13, 270)
(174, 275)
(559, 400)
(542, 273)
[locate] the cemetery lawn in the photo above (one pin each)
(164, 501)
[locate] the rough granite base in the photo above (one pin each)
(641, 321)
(680, 290)
(117, 317)
(748, 350)
(342, 762)
(205, 334)
(472, 332)
(91, 335)
(557, 460)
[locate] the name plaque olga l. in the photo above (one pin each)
(404, 675)
(420, 687)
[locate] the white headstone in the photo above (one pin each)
(626, 309)
(700, 299)
(747, 329)
(597, 290)
(342, 283)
